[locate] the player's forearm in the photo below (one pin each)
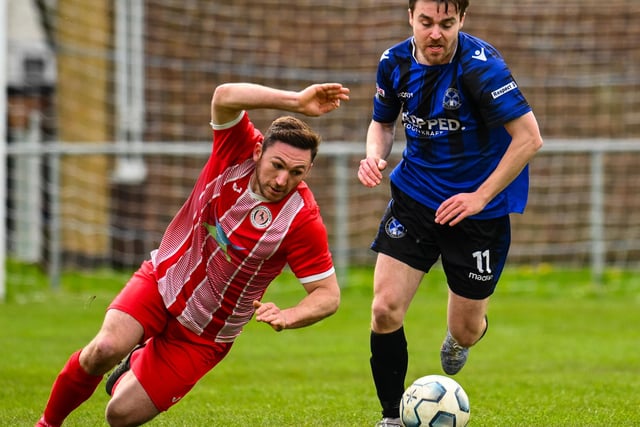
(231, 98)
(520, 152)
(319, 304)
(379, 140)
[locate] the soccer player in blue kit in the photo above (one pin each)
(470, 136)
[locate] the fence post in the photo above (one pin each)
(54, 244)
(26, 194)
(3, 149)
(597, 216)
(341, 221)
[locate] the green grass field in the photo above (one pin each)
(560, 351)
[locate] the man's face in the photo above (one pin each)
(435, 32)
(279, 170)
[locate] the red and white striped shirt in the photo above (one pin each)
(226, 244)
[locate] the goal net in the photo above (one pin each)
(109, 111)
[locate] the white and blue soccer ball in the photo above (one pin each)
(435, 401)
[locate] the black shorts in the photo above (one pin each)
(473, 252)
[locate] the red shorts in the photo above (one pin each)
(174, 358)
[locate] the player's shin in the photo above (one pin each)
(72, 387)
(389, 361)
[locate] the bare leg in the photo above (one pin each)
(467, 323)
(395, 285)
(466, 319)
(130, 405)
(83, 372)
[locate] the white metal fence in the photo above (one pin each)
(563, 174)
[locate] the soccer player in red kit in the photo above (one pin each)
(249, 215)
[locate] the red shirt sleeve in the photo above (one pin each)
(308, 256)
(233, 142)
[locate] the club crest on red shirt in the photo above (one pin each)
(261, 217)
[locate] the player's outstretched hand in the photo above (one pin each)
(322, 98)
(271, 314)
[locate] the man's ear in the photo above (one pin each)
(257, 151)
(308, 172)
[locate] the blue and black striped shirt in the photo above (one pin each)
(453, 115)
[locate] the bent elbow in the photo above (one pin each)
(219, 94)
(538, 143)
(334, 304)
(533, 145)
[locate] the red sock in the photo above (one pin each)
(72, 387)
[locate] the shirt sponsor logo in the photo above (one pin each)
(261, 217)
(221, 238)
(430, 127)
(504, 89)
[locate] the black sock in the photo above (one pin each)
(389, 360)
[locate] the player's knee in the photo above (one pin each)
(126, 409)
(119, 414)
(385, 317)
(113, 417)
(102, 354)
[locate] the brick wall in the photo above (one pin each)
(577, 61)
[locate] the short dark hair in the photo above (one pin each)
(294, 132)
(460, 5)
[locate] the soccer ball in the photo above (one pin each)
(435, 401)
